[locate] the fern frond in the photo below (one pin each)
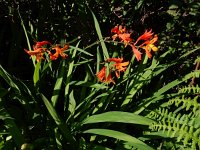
(176, 125)
(186, 103)
(190, 90)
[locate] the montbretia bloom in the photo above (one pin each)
(145, 36)
(121, 33)
(119, 65)
(137, 53)
(42, 43)
(149, 45)
(101, 75)
(59, 51)
(38, 52)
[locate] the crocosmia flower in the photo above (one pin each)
(121, 33)
(101, 75)
(136, 52)
(147, 44)
(146, 36)
(42, 43)
(59, 51)
(145, 41)
(118, 65)
(150, 46)
(38, 50)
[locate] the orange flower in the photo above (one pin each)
(119, 65)
(59, 51)
(150, 46)
(120, 32)
(118, 29)
(125, 37)
(136, 52)
(38, 52)
(40, 44)
(145, 36)
(101, 75)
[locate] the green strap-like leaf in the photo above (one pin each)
(61, 125)
(81, 50)
(89, 84)
(139, 82)
(97, 27)
(36, 75)
(7, 78)
(118, 116)
(58, 84)
(69, 73)
(121, 136)
(27, 38)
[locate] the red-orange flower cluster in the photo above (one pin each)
(148, 40)
(117, 66)
(122, 34)
(39, 49)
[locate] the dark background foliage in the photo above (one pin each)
(175, 21)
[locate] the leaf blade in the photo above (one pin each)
(121, 136)
(118, 116)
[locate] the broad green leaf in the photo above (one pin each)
(118, 116)
(121, 136)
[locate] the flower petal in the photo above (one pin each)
(136, 52)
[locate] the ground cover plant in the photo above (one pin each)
(99, 75)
